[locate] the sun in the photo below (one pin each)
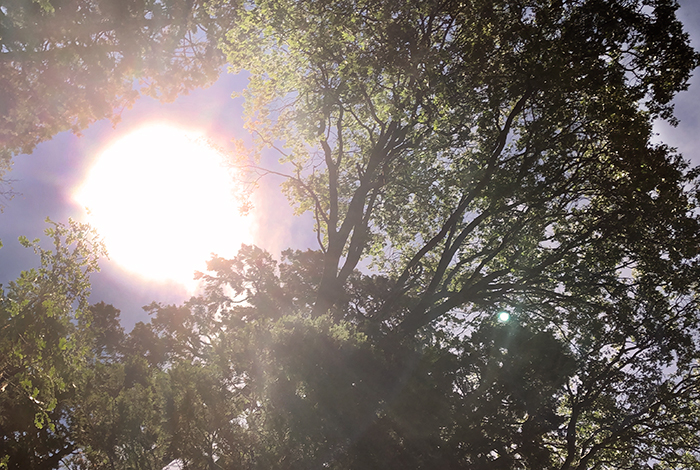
(163, 201)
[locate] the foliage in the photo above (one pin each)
(318, 391)
(478, 156)
(44, 337)
(68, 63)
(496, 155)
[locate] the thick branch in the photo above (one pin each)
(466, 199)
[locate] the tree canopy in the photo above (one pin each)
(68, 63)
(461, 159)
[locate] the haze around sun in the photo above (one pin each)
(163, 200)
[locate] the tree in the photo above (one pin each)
(44, 346)
(116, 419)
(75, 391)
(497, 155)
(318, 391)
(479, 157)
(69, 63)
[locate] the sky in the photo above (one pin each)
(45, 181)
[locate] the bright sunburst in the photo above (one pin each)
(163, 202)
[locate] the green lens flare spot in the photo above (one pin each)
(503, 316)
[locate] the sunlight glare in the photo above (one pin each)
(163, 201)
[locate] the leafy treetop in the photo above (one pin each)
(66, 63)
